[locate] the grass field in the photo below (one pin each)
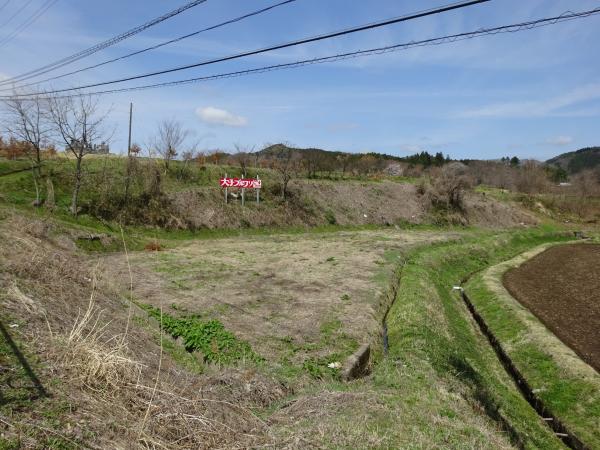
(301, 300)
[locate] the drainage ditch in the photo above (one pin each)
(559, 428)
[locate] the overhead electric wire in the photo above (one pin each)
(512, 28)
(4, 6)
(370, 26)
(30, 20)
(23, 6)
(102, 45)
(162, 44)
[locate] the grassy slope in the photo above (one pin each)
(567, 207)
(428, 323)
(196, 187)
(571, 396)
(25, 408)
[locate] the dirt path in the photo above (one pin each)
(561, 286)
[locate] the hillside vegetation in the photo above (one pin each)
(577, 161)
(187, 196)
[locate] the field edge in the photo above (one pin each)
(568, 386)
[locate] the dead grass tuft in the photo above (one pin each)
(153, 246)
(198, 421)
(99, 362)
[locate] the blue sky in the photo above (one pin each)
(533, 94)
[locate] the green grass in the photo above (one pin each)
(209, 337)
(433, 339)
(178, 353)
(7, 166)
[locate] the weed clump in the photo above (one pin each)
(216, 344)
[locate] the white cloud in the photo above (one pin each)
(216, 116)
(552, 106)
(559, 140)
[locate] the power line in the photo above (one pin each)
(4, 6)
(25, 5)
(513, 28)
(162, 44)
(102, 45)
(30, 20)
(347, 31)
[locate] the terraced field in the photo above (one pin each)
(561, 286)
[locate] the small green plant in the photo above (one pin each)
(320, 368)
(345, 298)
(330, 259)
(216, 344)
(330, 217)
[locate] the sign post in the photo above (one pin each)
(243, 191)
(258, 191)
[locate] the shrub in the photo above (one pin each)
(330, 217)
(448, 186)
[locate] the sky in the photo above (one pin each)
(533, 94)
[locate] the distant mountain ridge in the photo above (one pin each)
(576, 161)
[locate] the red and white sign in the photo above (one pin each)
(247, 183)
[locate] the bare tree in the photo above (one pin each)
(243, 157)
(449, 184)
(78, 124)
(217, 156)
(187, 156)
(587, 183)
(532, 178)
(25, 120)
(344, 160)
(285, 162)
(170, 138)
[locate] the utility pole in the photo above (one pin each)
(128, 175)
(130, 119)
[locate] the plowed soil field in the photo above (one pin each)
(561, 286)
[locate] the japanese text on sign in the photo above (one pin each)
(249, 183)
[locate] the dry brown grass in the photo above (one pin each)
(97, 359)
(108, 376)
(153, 246)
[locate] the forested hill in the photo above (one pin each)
(574, 162)
(423, 158)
